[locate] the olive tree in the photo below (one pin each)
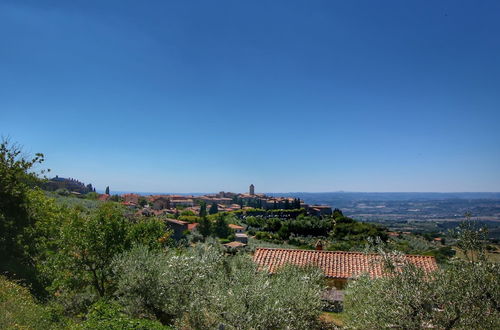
(203, 288)
(463, 295)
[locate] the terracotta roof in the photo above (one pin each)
(235, 227)
(234, 244)
(179, 222)
(103, 197)
(158, 197)
(335, 264)
(192, 226)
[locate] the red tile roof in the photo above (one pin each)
(130, 195)
(178, 222)
(236, 227)
(335, 264)
(192, 226)
(103, 197)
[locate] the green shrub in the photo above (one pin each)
(108, 315)
(92, 195)
(464, 295)
(63, 192)
(201, 288)
(189, 218)
(18, 309)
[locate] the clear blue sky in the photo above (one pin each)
(202, 96)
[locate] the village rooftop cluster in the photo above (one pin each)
(225, 202)
(170, 206)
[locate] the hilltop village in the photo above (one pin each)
(172, 206)
(221, 202)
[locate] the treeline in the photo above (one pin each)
(272, 213)
(297, 228)
(67, 184)
(257, 203)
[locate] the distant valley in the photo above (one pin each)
(414, 211)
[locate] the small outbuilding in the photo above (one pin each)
(235, 245)
(179, 227)
(243, 238)
(237, 229)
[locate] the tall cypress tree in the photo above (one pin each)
(221, 228)
(107, 190)
(205, 227)
(203, 209)
(213, 209)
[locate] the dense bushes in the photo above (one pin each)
(463, 295)
(201, 288)
(279, 213)
(337, 231)
(74, 249)
(302, 225)
(18, 307)
(16, 182)
(109, 315)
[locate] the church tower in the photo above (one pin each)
(252, 190)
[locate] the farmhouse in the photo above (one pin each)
(160, 202)
(338, 266)
(243, 238)
(131, 198)
(178, 226)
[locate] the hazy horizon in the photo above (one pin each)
(118, 191)
(290, 96)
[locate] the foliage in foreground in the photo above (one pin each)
(94, 277)
(464, 295)
(75, 251)
(201, 288)
(17, 178)
(109, 315)
(18, 309)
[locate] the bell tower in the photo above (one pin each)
(252, 190)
